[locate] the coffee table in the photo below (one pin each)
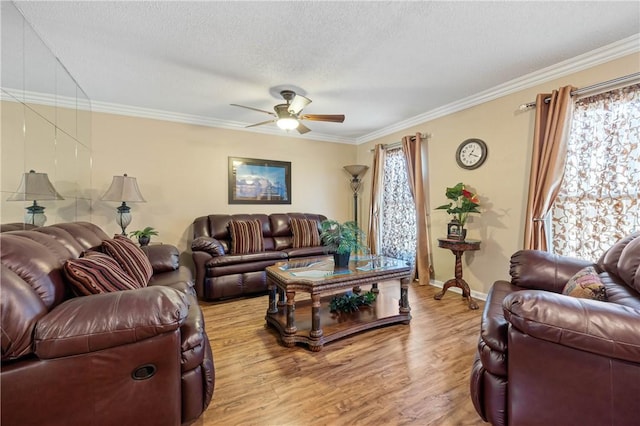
(310, 321)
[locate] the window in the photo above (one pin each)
(398, 210)
(598, 202)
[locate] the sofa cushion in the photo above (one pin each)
(130, 258)
(246, 236)
(586, 284)
(97, 273)
(304, 232)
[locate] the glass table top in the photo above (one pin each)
(323, 267)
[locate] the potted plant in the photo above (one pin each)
(463, 202)
(343, 238)
(144, 235)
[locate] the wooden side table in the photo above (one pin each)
(458, 247)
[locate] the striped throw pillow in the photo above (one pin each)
(97, 273)
(246, 236)
(305, 233)
(130, 257)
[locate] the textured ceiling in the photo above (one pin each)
(379, 63)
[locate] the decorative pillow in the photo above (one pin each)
(305, 233)
(246, 236)
(208, 244)
(97, 273)
(586, 284)
(130, 257)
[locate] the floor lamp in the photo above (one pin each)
(356, 171)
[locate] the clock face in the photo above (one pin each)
(471, 154)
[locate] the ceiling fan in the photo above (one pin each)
(287, 116)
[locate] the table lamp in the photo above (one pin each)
(35, 186)
(125, 189)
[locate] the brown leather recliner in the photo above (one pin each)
(545, 358)
(136, 357)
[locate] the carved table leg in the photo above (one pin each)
(374, 288)
(466, 293)
(316, 331)
(273, 307)
(404, 296)
(458, 282)
(291, 329)
(281, 301)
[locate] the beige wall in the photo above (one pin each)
(182, 172)
(501, 182)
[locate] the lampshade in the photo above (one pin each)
(124, 188)
(356, 170)
(35, 186)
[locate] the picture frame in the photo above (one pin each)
(257, 181)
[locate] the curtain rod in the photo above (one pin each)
(582, 91)
(398, 144)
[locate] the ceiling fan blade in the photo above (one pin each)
(254, 109)
(302, 129)
(335, 118)
(261, 123)
(298, 103)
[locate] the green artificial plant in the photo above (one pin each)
(342, 237)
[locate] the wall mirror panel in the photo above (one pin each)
(46, 125)
(12, 43)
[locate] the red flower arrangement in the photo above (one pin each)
(463, 203)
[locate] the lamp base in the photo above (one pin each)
(35, 215)
(123, 217)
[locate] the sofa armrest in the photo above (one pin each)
(92, 323)
(541, 270)
(209, 245)
(163, 257)
(602, 328)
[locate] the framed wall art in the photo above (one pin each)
(254, 181)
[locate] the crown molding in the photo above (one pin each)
(111, 108)
(598, 56)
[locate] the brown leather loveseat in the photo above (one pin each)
(133, 357)
(220, 274)
(546, 358)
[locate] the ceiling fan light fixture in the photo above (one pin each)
(287, 123)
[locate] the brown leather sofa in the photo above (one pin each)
(545, 358)
(221, 275)
(135, 357)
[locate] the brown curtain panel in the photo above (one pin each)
(412, 150)
(553, 120)
(375, 213)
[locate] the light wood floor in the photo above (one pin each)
(396, 375)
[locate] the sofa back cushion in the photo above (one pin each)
(76, 236)
(246, 236)
(623, 261)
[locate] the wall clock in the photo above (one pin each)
(471, 154)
